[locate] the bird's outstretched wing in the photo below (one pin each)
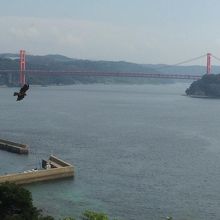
(24, 88)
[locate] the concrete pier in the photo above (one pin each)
(58, 169)
(14, 147)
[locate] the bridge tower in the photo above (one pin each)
(22, 67)
(208, 67)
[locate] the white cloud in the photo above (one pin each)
(94, 40)
(75, 38)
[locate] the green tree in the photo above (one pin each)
(16, 204)
(69, 218)
(90, 215)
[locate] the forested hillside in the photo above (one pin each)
(61, 63)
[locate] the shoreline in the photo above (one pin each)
(203, 96)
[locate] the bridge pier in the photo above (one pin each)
(22, 67)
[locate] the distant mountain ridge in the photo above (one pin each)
(118, 65)
(58, 62)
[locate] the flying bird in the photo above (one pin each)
(20, 95)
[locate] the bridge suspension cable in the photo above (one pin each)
(190, 60)
(183, 62)
(216, 57)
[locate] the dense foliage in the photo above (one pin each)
(207, 86)
(89, 215)
(16, 204)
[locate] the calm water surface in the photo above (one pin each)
(140, 151)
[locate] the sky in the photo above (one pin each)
(141, 31)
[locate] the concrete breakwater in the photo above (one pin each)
(53, 168)
(14, 147)
(58, 169)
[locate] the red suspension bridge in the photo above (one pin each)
(22, 71)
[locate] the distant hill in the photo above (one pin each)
(195, 69)
(63, 63)
(207, 86)
(9, 61)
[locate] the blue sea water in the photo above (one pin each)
(139, 151)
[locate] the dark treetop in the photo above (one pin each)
(207, 86)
